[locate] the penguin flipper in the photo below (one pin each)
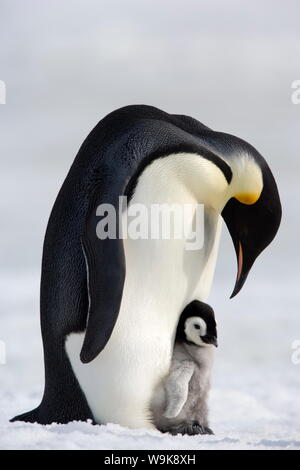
(177, 387)
(105, 263)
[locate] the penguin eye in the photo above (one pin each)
(196, 326)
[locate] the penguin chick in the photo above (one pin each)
(180, 406)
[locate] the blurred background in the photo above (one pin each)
(66, 64)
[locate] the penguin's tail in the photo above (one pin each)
(57, 412)
(29, 417)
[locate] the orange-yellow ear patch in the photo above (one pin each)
(247, 198)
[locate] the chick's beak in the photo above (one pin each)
(210, 340)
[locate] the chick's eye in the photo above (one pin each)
(197, 326)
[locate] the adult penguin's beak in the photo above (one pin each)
(253, 221)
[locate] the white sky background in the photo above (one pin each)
(229, 64)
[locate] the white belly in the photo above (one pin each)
(162, 277)
(119, 383)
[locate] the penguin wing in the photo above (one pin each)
(177, 387)
(105, 263)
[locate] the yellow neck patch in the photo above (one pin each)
(247, 198)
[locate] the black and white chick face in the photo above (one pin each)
(199, 333)
(197, 325)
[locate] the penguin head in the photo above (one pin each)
(253, 211)
(251, 205)
(197, 325)
(198, 332)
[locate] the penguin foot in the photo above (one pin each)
(191, 428)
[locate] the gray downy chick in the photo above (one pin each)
(179, 404)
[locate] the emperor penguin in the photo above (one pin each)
(180, 403)
(110, 306)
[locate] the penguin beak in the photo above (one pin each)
(210, 340)
(252, 226)
(242, 272)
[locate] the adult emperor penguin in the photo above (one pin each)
(110, 307)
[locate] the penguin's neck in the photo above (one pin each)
(183, 178)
